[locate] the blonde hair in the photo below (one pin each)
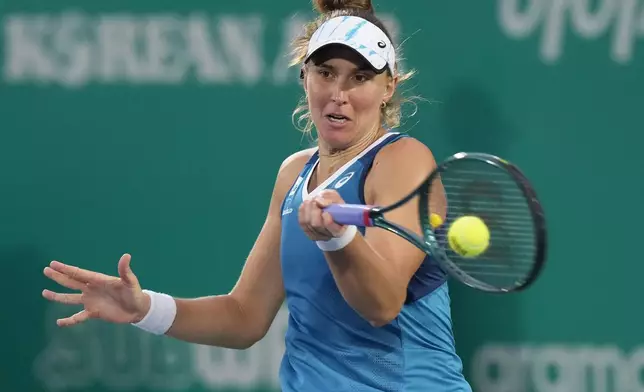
(391, 112)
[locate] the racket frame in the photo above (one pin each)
(429, 242)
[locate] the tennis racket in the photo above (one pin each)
(479, 185)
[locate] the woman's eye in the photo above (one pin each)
(361, 78)
(324, 73)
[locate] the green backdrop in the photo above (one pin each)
(136, 127)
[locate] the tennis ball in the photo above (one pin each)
(435, 220)
(468, 236)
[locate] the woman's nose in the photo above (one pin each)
(339, 96)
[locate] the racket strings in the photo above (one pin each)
(476, 188)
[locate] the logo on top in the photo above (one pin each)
(343, 180)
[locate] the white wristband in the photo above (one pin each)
(160, 317)
(340, 242)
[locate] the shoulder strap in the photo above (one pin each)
(367, 161)
(369, 156)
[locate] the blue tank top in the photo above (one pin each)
(328, 345)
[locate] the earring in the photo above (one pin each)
(383, 104)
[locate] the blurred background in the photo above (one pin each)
(157, 128)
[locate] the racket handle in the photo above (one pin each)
(350, 214)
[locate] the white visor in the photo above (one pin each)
(360, 35)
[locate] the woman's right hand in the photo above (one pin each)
(114, 299)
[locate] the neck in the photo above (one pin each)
(332, 159)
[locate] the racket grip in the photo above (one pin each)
(350, 214)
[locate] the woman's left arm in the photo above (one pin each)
(373, 271)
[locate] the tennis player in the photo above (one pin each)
(368, 311)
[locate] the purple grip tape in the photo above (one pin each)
(350, 214)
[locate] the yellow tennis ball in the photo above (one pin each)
(468, 236)
(435, 220)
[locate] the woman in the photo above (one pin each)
(367, 310)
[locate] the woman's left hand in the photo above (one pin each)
(318, 225)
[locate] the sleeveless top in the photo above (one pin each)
(329, 347)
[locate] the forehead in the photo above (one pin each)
(342, 52)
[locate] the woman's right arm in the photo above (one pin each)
(242, 317)
(235, 320)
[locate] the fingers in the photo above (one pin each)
(326, 198)
(79, 274)
(63, 280)
(67, 299)
(311, 221)
(335, 229)
(315, 218)
(303, 218)
(73, 320)
(125, 271)
(314, 221)
(327, 220)
(319, 225)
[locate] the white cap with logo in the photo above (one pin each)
(360, 35)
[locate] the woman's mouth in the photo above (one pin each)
(337, 118)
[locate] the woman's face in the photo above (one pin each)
(345, 96)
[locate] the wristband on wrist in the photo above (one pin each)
(159, 319)
(339, 242)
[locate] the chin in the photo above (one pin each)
(335, 138)
(336, 135)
